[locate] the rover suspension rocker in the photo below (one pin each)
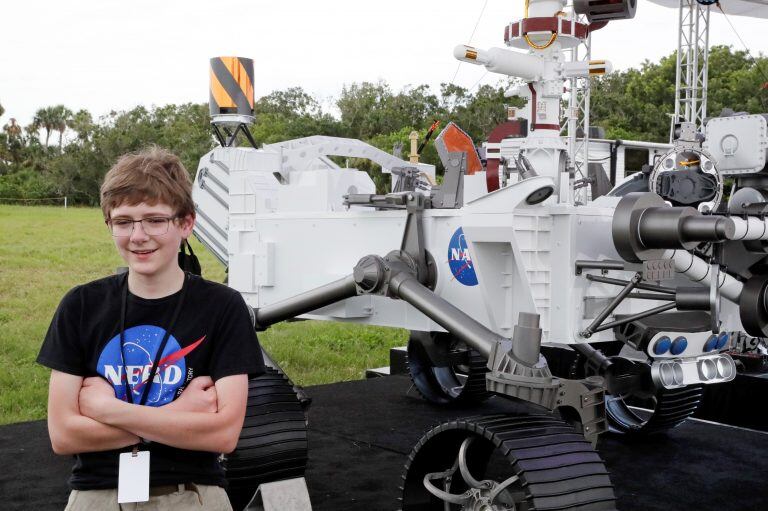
(499, 259)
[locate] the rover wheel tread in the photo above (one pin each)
(557, 468)
(273, 441)
(672, 407)
(445, 385)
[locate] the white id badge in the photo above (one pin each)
(133, 477)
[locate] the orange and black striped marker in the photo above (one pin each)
(231, 89)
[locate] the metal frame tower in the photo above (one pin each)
(692, 63)
(577, 118)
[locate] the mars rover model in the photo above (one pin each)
(499, 258)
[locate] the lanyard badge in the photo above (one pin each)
(133, 477)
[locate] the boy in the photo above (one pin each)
(153, 360)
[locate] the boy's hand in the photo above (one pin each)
(96, 395)
(199, 396)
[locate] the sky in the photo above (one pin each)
(105, 55)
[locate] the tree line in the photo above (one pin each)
(66, 153)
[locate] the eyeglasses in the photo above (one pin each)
(153, 226)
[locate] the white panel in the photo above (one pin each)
(738, 144)
(264, 264)
(475, 186)
(241, 272)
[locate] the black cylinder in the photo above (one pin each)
(707, 228)
(661, 227)
(681, 228)
(692, 298)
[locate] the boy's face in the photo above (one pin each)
(151, 255)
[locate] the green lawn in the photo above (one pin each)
(48, 250)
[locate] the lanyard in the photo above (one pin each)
(171, 324)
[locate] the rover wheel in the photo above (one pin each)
(445, 370)
(643, 408)
(666, 409)
(504, 463)
(273, 441)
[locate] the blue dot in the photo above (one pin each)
(679, 345)
(662, 345)
(711, 343)
(722, 340)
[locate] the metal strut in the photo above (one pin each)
(640, 285)
(635, 282)
(682, 298)
(592, 328)
(228, 138)
(395, 276)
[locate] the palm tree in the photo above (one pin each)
(44, 118)
(33, 132)
(61, 118)
(14, 142)
(82, 124)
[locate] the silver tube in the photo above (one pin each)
(306, 302)
(750, 228)
(444, 314)
(635, 143)
(697, 270)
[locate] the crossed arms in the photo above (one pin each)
(85, 416)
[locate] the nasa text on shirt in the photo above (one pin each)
(141, 345)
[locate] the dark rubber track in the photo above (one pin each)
(673, 406)
(557, 468)
(431, 385)
(273, 441)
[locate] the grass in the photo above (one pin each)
(48, 250)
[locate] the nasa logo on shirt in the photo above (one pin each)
(459, 259)
(141, 345)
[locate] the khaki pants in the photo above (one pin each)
(200, 497)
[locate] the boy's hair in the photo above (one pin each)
(151, 176)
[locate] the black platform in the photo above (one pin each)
(362, 431)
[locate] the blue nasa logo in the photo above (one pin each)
(459, 259)
(141, 345)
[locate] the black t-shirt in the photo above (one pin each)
(212, 336)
